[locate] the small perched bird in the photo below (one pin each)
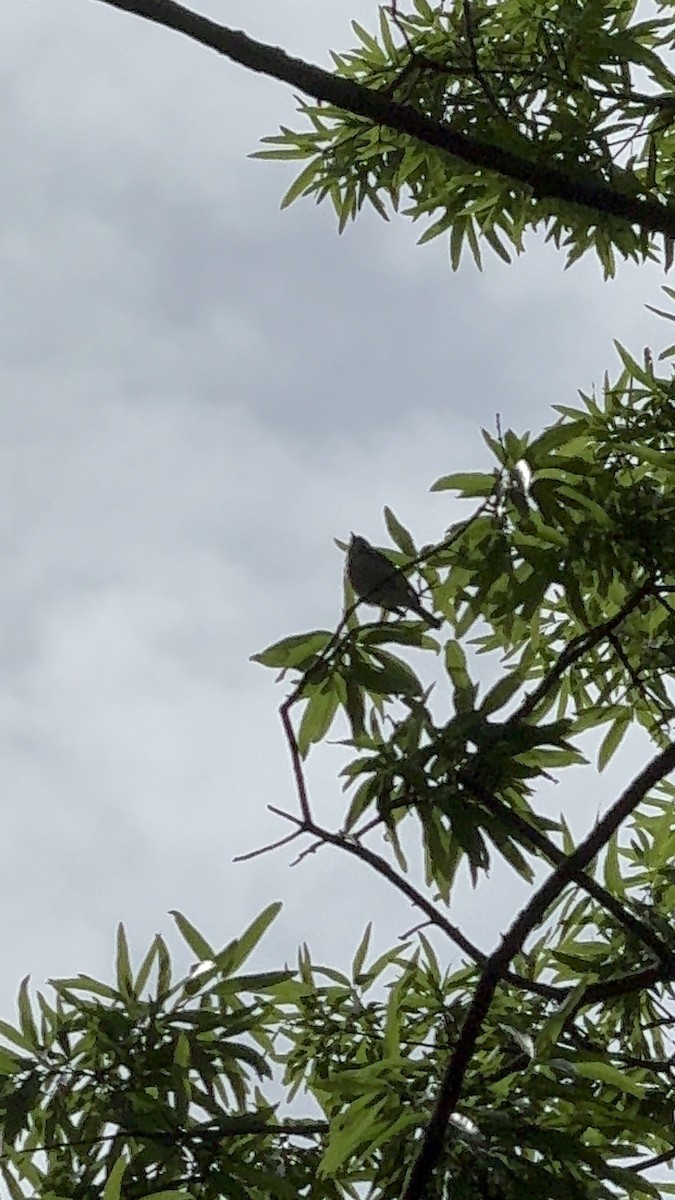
(377, 581)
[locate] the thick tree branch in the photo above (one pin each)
(512, 943)
(545, 181)
(548, 849)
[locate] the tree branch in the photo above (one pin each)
(550, 851)
(512, 943)
(385, 869)
(545, 181)
(576, 649)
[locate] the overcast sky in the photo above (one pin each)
(199, 393)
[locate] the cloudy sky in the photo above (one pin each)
(199, 393)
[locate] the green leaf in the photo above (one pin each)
(389, 680)
(123, 964)
(637, 372)
(612, 869)
(556, 435)
(360, 956)
(502, 692)
(294, 651)
(457, 242)
(13, 1035)
(471, 483)
(390, 958)
(464, 690)
(9, 1065)
(435, 229)
(262, 982)
(400, 677)
(356, 1126)
(303, 182)
(497, 245)
(368, 41)
(391, 1042)
(15, 1191)
(361, 800)
(18, 1106)
(163, 968)
(551, 1028)
(198, 944)
(606, 1073)
(596, 510)
(26, 1018)
(113, 1186)
(145, 968)
(320, 709)
(389, 631)
(613, 738)
(85, 983)
(385, 33)
(181, 1054)
(399, 534)
(233, 955)
(355, 709)
(513, 856)
(547, 534)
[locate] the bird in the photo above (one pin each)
(376, 580)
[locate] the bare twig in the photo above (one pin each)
(436, 918)
(305, 1128)
(266, 849)
(296, 761)
(403, 885)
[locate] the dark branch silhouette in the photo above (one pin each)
(544, 181)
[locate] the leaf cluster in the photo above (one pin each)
(152, 1088)
(586, 88)
(568, 587)
(563, 574)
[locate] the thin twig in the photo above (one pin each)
(657, 1161)
(296, 761)
(576, 649)
(266, 849)
(473, 54)
(650, 697)
(384, 868)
